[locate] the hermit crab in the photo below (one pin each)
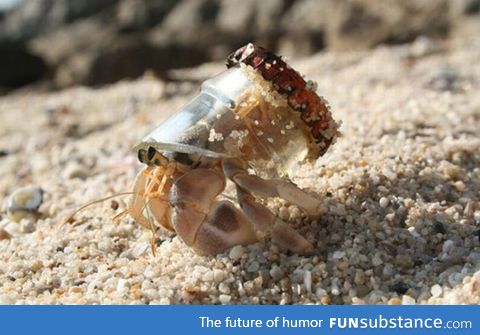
(251, 124)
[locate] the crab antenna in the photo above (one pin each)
(71, 216)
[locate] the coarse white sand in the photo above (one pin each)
(402, 188)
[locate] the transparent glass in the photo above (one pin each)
(235, 115)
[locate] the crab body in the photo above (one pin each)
(250, 125)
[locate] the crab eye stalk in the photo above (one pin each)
(150, 156)
(151, 153)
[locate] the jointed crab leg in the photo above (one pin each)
(264, 220)
(272, 188)
(136, 205)
(260, 215)
(207, 225)
(223, 228)
(148, 195)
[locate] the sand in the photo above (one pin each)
(401, 188)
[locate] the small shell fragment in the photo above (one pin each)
(4, 235)
(307, 281)
(23, 202)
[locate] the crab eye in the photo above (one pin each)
(148, 156)
(151, 153)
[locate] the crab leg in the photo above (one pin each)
(261, 216)
(137, 202)
(207, 225)
(272, 188)
(149, 196)
(158, 203)
(264, 220)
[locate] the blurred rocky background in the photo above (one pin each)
(61, 43)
